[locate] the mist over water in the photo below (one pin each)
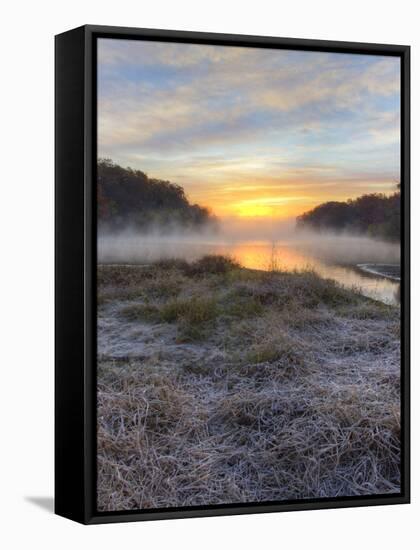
(265, 246)
(134, 247)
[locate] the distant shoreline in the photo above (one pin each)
(388, 271)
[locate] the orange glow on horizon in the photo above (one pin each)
(244, 204)
(245, 201)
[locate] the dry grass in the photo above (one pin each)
(239, 386)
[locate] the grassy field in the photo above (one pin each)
(218, 384)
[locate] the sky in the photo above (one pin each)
(251, 133)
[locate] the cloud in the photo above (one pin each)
(213, 115)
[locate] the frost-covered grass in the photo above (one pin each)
(218, 384)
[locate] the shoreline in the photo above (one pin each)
(375, 269)
(361, 286)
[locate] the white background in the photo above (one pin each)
(26, 218)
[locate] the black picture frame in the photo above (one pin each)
(75, 268)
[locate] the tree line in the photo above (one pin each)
(130, 198)
(376, 215)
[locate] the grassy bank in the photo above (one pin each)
(218, 384)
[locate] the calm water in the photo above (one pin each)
(340, 264)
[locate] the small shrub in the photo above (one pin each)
(194, 310)
(163, 287)
(188, 332)
(172, 263)
(264, 354)
(302, 319)
(243, 307)
(277, 347)
(201, 310)
(212, 264)
(173, 310)
(141, 312)
(311, 291)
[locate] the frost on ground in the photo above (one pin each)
(218, 384)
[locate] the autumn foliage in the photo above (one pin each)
(376, 215)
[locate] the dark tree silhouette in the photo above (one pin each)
(376, 215)
(129, 197)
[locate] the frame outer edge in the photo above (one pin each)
(406, 313)
(89, 279)
(70, 443)
(85, 487)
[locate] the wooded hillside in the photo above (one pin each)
(376, 215)
(129, 198)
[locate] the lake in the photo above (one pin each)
(370, 266)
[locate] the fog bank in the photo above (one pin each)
(269, 238)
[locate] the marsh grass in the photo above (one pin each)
(141, 312)
(250, 386)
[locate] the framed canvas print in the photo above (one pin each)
(232, 274)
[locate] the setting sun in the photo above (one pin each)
(264, 207)
(252, 210)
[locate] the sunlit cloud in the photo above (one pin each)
(233, 124)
